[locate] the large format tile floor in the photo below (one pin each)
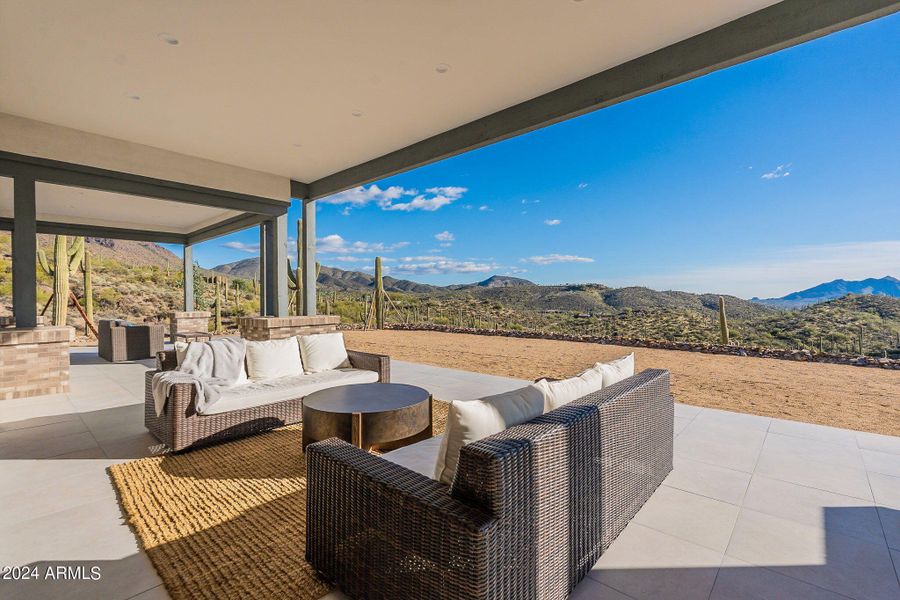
(755, 508)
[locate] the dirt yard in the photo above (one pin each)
(865, 399)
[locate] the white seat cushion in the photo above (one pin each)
(259, 393)
(273, 359)
(560, 393)
(616, 370)
(419, 457)
(472, 420)
(323, 352)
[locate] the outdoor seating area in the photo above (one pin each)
(753, 506)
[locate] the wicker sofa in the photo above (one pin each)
(181, 427)
(119, 341)
(528, 514)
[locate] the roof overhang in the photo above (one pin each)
(256, 106)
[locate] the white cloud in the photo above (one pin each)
(778, 172)
(445, 236)
(550, 259)
(445, 245)
(248, 248)
(552, 222)
(779, 271)
(437, 265)
(526, 201)
(349, 259)
(582, 185)
(387, 199)
(335, 244)
(484, 207)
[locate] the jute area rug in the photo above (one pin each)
(228, 521)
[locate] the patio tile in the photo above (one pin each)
(645, 563)
(157, 593)
(713, 445)
(880, 443)
(832, 478)
(886, 489)
(812, 431)
(42, 432)
(43, 410)
(895, 556)
(30, 499)
(816, 555)
(47, 448)
(739, 580)
(825, 452)
(94, 531)
(588, 589)
(686, 411)
(690, 517)
(810, 506)
(734, 419)
(890, 522)
(882, 462)
(138, 445)
(680, 424)
(708, 480)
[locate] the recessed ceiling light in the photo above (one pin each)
(357, 113)
(133, 96)
(168, 38)
(442, 68)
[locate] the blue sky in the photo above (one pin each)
(758, 180)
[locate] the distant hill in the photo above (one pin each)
(330, 278)
(886, 286)
(494, 281)
(127, 252)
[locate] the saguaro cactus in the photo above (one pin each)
(379, 295)
(218, 304)
(65, 259)
(88, 286)
(723, 322)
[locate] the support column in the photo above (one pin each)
(263, 274)
(188, 278)
(24, 250)
(280, 257)
(308, 249)
(276, 265)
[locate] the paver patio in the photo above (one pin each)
(755, 508)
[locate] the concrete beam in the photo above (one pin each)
(774, 28)
(24, 251)
(263, 272)
(116, 233)
(188, 278)
(279, 257)
(238, 223)
(308, 256)
(270, 266)
(75, 175)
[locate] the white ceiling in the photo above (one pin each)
(248, 80)
(65, 204)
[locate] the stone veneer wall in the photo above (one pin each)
(183, 322)
(277, 328)
(34, 361)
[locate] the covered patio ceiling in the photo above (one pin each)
(331, 95)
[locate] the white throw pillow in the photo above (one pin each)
(323, 352)
(472, 420)
(272, 359)
(560, 393)
(616, 370)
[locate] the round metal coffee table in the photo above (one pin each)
(368, 415)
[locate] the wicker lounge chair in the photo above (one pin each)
(180, 426)
(529, 513)
(119, 340)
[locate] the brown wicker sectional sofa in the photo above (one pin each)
(181, 427)
(529, 512)
(119, 341)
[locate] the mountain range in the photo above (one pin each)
(886, 286)
(332, 278)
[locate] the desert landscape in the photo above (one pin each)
(825, 394)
